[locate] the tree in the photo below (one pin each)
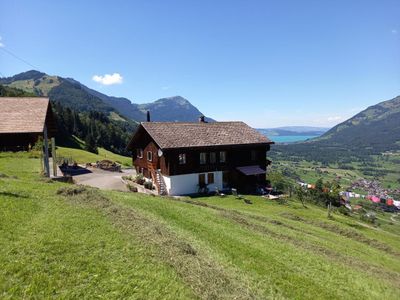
(279, 182)
(301, 195)
(319, 185)
(90, 143)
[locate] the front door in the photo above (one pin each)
(225, 179)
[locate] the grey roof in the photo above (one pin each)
(23, 114)
(251, 170)
(182, 135)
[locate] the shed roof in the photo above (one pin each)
(251, 170)
(170, 135)
(24, 114)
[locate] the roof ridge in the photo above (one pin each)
(169, 135)
(195, 122)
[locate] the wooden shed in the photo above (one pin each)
(23, 120)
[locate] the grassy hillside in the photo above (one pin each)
(6, 91)
(371, 132)
(40, 86)
(82, 156)
(58, 240)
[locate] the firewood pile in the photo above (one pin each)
(108, 165)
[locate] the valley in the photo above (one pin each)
(384, 169)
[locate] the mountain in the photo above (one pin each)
(58, 89)
(73, 94)
(378, 124)
(178, 108)
(294, 131)
(372, 131)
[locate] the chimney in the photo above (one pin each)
(148, 116)
(201, 119)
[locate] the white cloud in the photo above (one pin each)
(394, 31)
(108, 79)
(1, 44)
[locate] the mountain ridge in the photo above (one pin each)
(373, 131)
(76, 95)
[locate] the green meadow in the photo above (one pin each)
(65, 241)
(82, 156)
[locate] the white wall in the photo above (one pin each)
(188, 183)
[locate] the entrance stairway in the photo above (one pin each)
(162, 189)
(158, 180)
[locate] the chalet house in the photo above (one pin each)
(23, 120)
(180, 158)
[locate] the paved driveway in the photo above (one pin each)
(105, 180)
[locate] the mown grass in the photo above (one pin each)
(59, 240)
(50, 247)
(82, 156)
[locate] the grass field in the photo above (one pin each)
(82, 156)
(63, 241)
(44, 86)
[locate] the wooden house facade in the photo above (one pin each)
(181, 158)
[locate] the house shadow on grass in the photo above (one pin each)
(74, 170)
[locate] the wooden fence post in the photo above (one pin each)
(46, 152)
(54, 156)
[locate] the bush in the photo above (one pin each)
(139, 179)
(128, 177)
(148, 185)
(369, 217)
(344, 211)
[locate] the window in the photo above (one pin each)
(203, 158)
(253, 155)
(139, 153)
(149, 156)
(222, 156)
(141, 170)
(213, 157)
(202, 180)
(182, 158)
(210, 178)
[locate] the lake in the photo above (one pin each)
(291, 138)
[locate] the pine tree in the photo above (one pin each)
(90, 143)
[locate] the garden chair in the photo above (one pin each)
(235, 193)
(218, 193)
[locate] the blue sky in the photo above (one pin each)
(268, 63)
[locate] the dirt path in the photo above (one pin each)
(104, 180)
